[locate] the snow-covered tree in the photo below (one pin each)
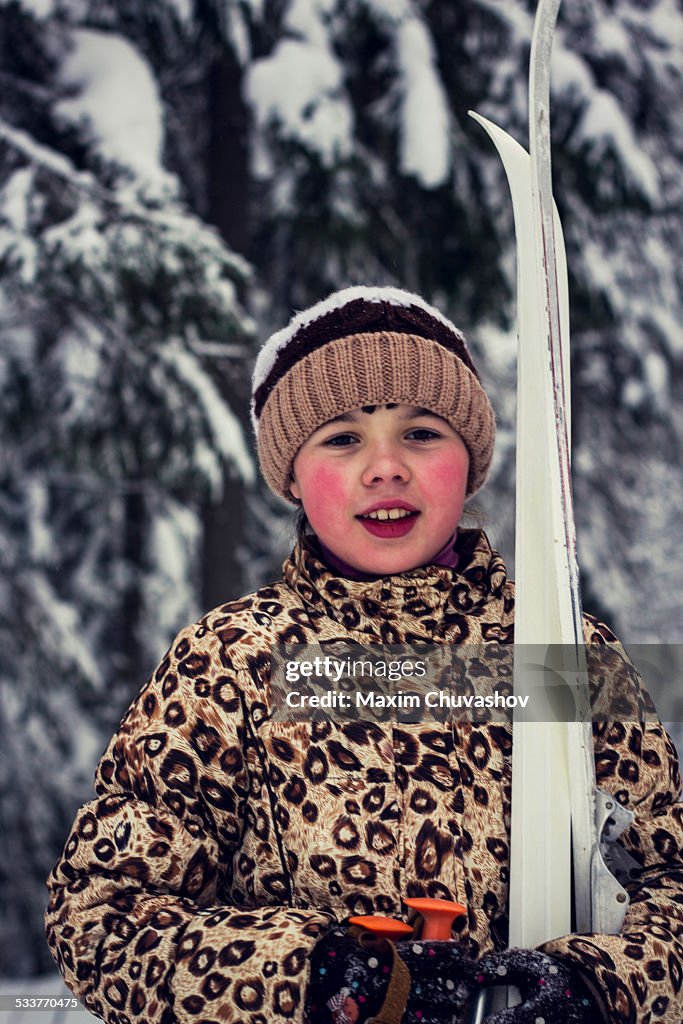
(115, 429)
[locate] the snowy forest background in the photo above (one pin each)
(175, 177)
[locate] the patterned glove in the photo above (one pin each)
(552, 991)
(442, 981)
(349, 982)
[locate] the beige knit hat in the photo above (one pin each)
(365, 346)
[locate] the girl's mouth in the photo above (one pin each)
(389, 527)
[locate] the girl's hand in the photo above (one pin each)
(552, 991)
(442, 981)
(350, 983)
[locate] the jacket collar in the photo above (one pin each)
(417, 604)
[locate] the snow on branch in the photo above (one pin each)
(425, 147)
(114, 103)
(300, 86)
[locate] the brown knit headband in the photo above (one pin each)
(365, 346)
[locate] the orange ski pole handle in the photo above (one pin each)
(438, 915)
(383, 927)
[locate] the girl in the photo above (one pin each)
(212, 876)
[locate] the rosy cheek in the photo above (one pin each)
(446, 473)
(326, 488)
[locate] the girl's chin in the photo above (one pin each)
(377, 559)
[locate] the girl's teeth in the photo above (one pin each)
(393, 513)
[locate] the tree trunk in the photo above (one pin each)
(227, 185)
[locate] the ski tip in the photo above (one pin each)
(489, 127)
(483, 121)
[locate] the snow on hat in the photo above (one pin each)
(365, 346)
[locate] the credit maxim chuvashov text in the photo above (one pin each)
(403, 700)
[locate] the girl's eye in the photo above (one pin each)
(423, 430)
(338, 441)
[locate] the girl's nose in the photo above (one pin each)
(385, 462)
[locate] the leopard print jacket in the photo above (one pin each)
(222, 844)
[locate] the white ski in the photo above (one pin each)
(540, 868)
(555, 807)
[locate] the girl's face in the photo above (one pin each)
(383, 457)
